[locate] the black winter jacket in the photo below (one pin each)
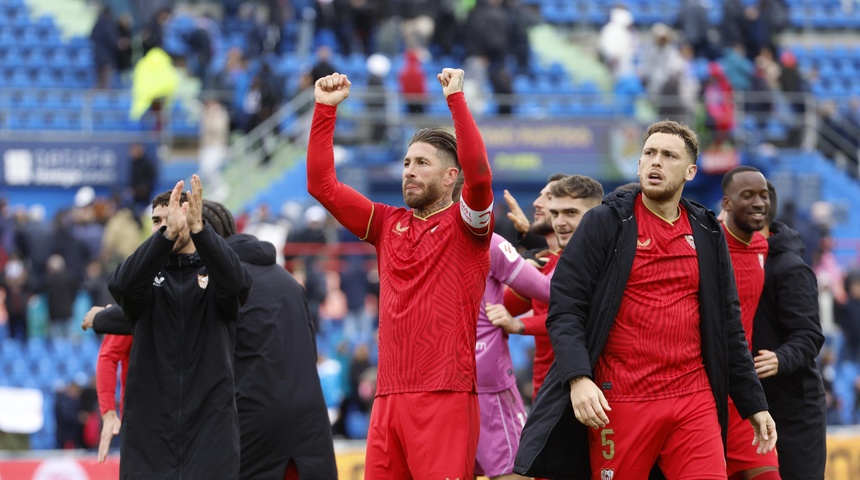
(587, 289)
(282, 412)
(180, 417)
(787, 324)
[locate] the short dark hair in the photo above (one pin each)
(163, 199)
(628, 186)
(729, 177)
(691, 141)
(772, 211)
(219, 218)
(577, 186)
(555, 177)
(443, 140)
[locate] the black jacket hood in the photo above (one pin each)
(252, 250)
(784, 239)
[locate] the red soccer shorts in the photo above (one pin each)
(426, 435)
(740, 452)
(292, 473)
(682, 435)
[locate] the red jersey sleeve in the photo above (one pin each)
(352, 209)
(114, 349)
(476, 206)
(515, 303)
(535, 325)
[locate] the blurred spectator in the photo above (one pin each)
(201, 41)
(261, 102)
(765, 20)
(122, 235)
(413, 84)
(848, 317)
(214, 135)
(738, 69)
(768, 67)
(522, 19)
(795, 88)
(365, 18)
(152, 35)
(835, 139)
(75, 253)
(18, 292)
(616, 42)
(84, 226)
(758, 100)
(663, 84)
(96, 284)
(719, 104)
(60, 288)
(331, 373)
(69, 425)
(153, 85)
(234, 77)
(827, 366)
(142, 178)
(125, 52)
(695, 27)
(488, 33)
(732, 29)
(33, 241)
(378, 67)
(334, 19)
(503, 88)
(105, 42)
(304, 246)
(417, 24)
(320, 69)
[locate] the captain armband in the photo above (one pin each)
(476, 219)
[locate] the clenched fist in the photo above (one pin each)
(451, 80)
(332, 89)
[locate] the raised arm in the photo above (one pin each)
(352, 209)
(476, 205)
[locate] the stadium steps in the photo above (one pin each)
(72, 17)
(282, 179)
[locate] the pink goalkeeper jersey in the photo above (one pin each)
(495, 369)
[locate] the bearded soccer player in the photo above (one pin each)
(645, 327)
(433, 265)
(746, 203)
(576, 195)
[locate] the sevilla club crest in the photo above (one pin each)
(203, 281)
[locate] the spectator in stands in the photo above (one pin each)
(378, 67)
(142, 178)
(848, 317)
(522, 19)
(737, 67)
(334, 19)
(124, 53)
(487, 33)
(201, 45)
(69, 425)
(695, 27)
(214, 135)
(122, 235)
(60, 288)
(835, 139)
(75, 253)
(322, 68)
(616, 43)
(18, 291)
(719, 104)
(766, 19)
(33, 241)
(413, 83)
(663, 84)
(795, 88)
(365, 18)
(152, 35)
(96, 284)
(733, 27)
(418, 23)
(758, 100)
(105, 45)
(235, 78)
(302, 250)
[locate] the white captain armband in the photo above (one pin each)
(474, 219)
